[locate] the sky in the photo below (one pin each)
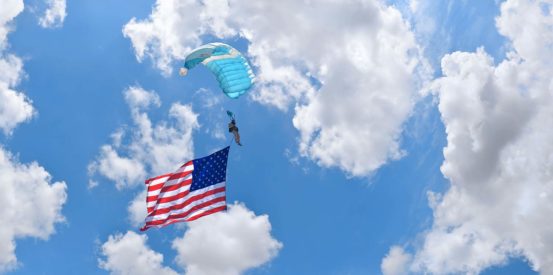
(380, 137)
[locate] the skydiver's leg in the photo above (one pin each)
(237, 137)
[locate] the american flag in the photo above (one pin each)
(195, 190)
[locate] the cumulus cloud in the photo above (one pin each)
(129, 254)
(15, 107)
(226, 243)
(351, 68)
(499, 152)
(54, 15)
(137, 209)
(31, 205)
(152, 149)
(174, 28)
(396, 262)
(10, 9)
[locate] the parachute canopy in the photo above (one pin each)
(229, 66)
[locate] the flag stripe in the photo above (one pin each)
(180, 205)
(208, 212)
(219, 201)
(149, 181)
(169, 191)
(179, 197)
(193, 203)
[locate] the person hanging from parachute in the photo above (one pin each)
(231, 69)
(233, 129)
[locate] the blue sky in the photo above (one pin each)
(347, 166)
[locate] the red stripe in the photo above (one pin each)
(158, 177)
(187, 213)
(174, 197)
(162, 184)
(169, 199)
(209, 212)
(179, 175)
(187, 202)
(175, 186)
(169, 188)
(190, 162)
(171, 175)
(156, 186)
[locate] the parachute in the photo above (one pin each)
(229, 66)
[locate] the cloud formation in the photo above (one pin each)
(15, 107)
(31, 205)
(499, 152)
(54, 15)
(396, 262)
(129, 254)
(152, 149)
(226, 243)
(352, 69)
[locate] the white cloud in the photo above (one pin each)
(10, 9)
(137, 209)
(396, 262)
(352, 67)
(173, 29)
(54, 14)
(226, 243)
(129, 254)
(153, 149)
(499, 153)
(31, 205)
(15, 107)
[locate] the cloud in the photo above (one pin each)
(351, 68)
(31, 205)
(10, 9)
(15, 107)
(173, 29)
(137, 209)
(499, 152)
(152, 149)
(54, 15)
(226, 243)
(129, 254)
(396, 262)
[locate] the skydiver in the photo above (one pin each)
(234, 130)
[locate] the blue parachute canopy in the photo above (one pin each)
(229, 66)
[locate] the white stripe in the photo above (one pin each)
(191, 215)
(192, 194)
(205, 209)
(170, 183)
(169, 194)
(184, 209)
(158, 181)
